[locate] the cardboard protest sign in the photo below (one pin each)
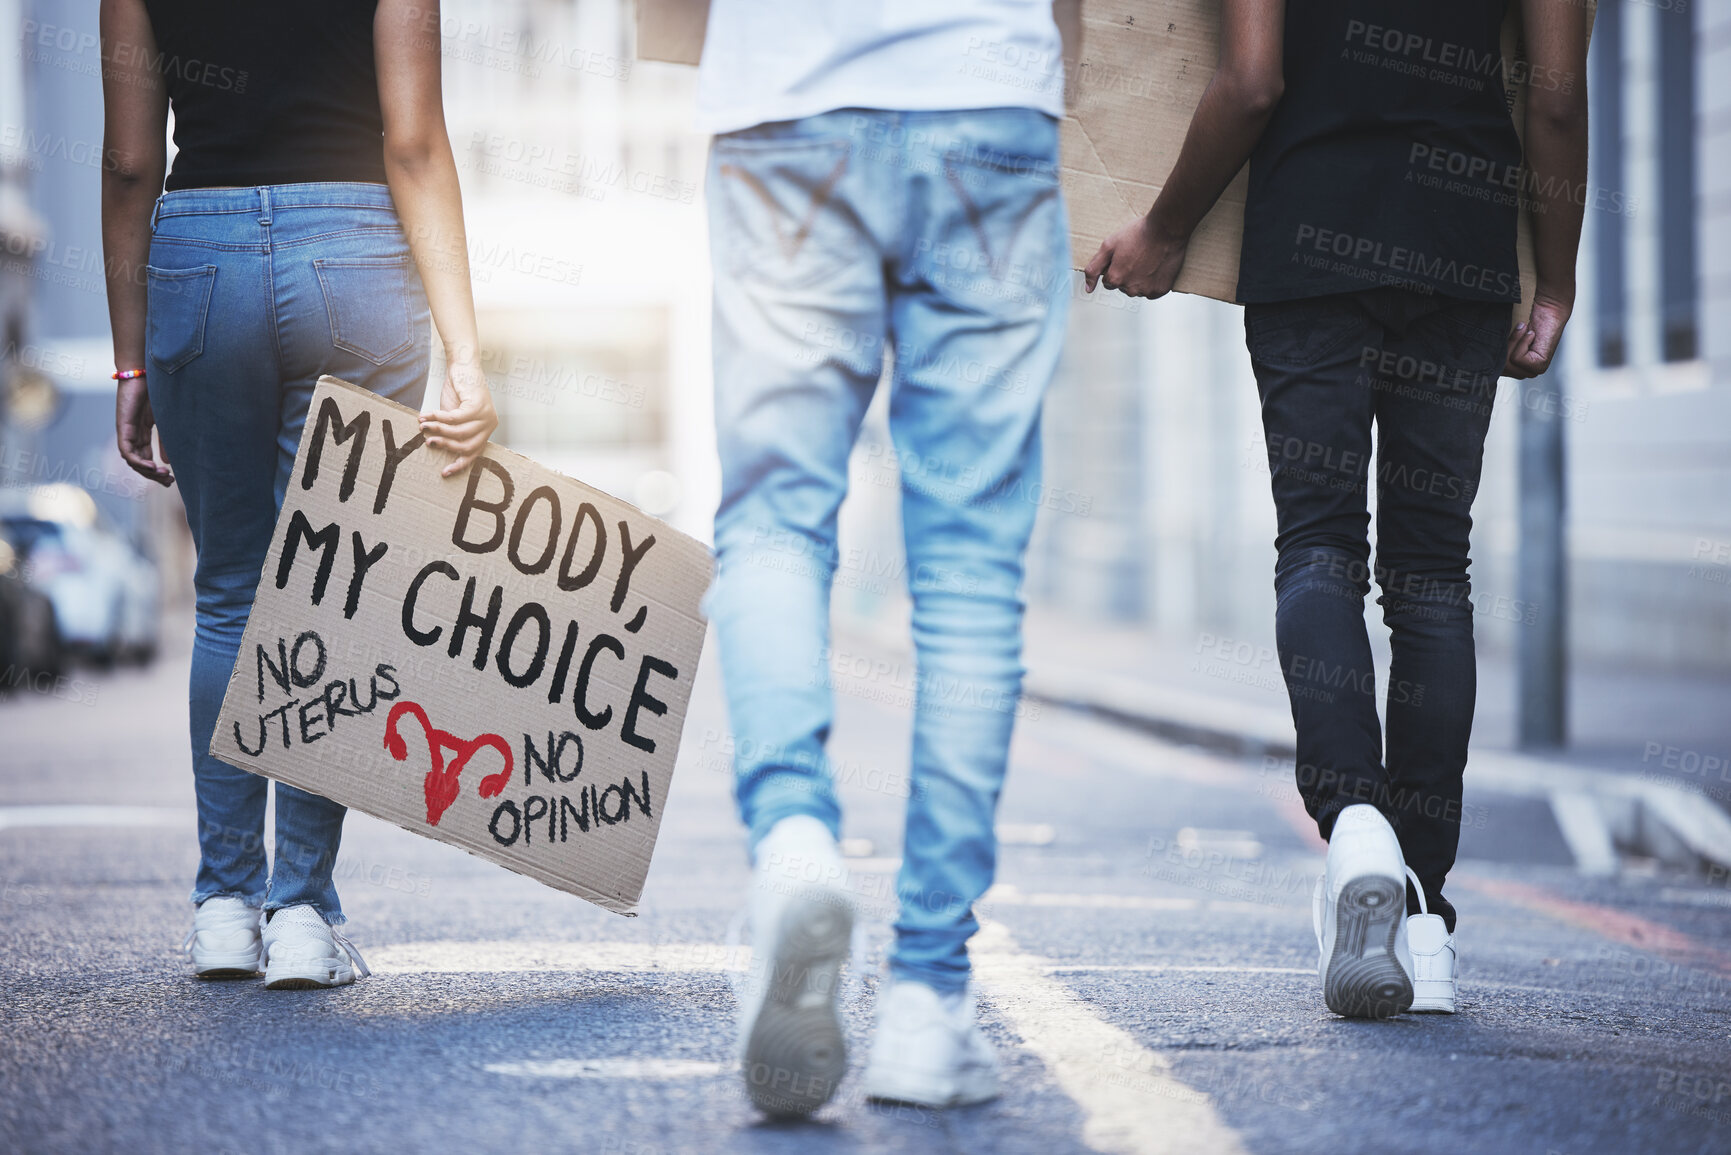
(499, 660)
(1138, 74)
(1135, 71)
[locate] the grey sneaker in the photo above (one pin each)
(791, 1048)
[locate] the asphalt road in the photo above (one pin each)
(1147, 971)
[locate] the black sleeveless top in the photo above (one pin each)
(1391, 159)
(270, 93)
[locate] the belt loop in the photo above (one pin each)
(264, 204)
(155, 215)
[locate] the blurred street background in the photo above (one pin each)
(1157, 869)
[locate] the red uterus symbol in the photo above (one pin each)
(441, 782)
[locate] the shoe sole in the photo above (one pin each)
(1365, 978)
(1433, 1004)
(308, 981)
(795, 1055)
(903, 1088)
(226, 966)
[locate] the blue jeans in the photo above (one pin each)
(253, 294)
(940, 237)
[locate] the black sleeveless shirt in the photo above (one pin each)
(1391, 159)
(273, 92)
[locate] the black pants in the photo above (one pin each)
(1424, 370)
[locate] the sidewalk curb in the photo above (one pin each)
(1599, 813)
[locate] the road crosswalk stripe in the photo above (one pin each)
(18, 817)
(1131, 1101)
(497, 956)
(611, 1069)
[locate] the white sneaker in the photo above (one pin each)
(1359, 912)
(224, 939)
(790, 1038)
(1433, 958)
(302, 951)
(928, 1049)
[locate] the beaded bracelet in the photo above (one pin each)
(128, 374)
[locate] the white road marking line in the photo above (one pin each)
(1695, 897)
(1130, 1100)
(1026, 834)
(1231, 843)
(18, 817)
(504, 955)
(612, 1069)
(873, 865)
(1150, 968)
(1007, 894)
(1584, 829)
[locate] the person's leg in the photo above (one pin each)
(1435, 385)
(213, 389)
(347, 301)
(978, 314)
(1316, 418)
(798, 344)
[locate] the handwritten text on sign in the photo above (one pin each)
(500, 660)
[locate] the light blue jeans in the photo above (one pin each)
(939, 238)
(253, 294)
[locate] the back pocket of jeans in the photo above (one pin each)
(177, 301)
(367, 301)
(782, 219)
(1304, 334)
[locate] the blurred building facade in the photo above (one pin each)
(582, 181)
(582, 177)
(56, 397)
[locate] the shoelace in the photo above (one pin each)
(354, 954)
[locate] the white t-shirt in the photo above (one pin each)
(767, 60)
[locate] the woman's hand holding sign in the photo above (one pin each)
(465, 417)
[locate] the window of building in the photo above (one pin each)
(1678, 339)
(1610, 237)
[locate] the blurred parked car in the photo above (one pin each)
(105, 593)
(29, 642)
